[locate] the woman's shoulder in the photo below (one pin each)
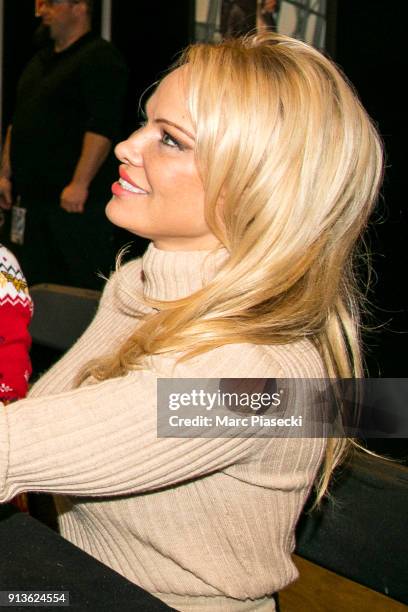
(244, 360)
(299, 359)
(295, 360)
(124, 285)
(131, 272)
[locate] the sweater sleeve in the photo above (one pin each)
(101, 439)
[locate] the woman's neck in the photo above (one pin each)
(171, 275)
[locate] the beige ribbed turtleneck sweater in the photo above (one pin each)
(203, 523)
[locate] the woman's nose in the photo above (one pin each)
(129, 151)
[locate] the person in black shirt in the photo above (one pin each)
(58, 155)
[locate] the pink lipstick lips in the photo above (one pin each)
(125, 186)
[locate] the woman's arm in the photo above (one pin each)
(101, 440)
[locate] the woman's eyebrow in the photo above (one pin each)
(176, 125)
(167, 121)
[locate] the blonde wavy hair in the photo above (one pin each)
(284, 143)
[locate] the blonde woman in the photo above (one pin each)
(253, 176)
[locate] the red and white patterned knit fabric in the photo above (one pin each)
(15, 315)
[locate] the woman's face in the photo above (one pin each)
(160, 194)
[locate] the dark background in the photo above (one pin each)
(364, 37)
(149, 35)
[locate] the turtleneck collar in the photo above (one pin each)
(171, 275)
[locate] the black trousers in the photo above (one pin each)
(66, 248)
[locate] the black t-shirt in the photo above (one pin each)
(61, 96)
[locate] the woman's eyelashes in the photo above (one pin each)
(166, 139)
(170, 141)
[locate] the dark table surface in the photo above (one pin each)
(35, 558)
